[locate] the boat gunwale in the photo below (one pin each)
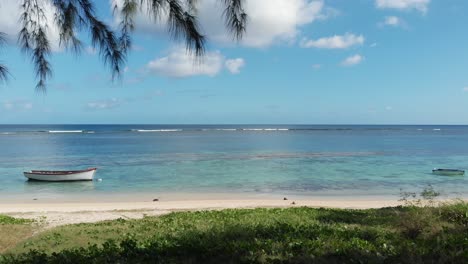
(448, 170)
(57, 173)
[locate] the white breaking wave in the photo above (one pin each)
(226, 129)
(65, 131)
(265, 129)
(436, 129)
(276, 129)
(158, 130)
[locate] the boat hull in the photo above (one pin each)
(86, 175)
(445, 172)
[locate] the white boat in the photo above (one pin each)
(77, 175)
(448, 172)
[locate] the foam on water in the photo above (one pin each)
(186, 128)
(158, 130)
(265, 129)
(64, 131)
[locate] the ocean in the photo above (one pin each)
(263, 160)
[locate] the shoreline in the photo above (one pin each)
(148, 196)
(194, 201)
(53, 213)
(189, 205)
(57, 214)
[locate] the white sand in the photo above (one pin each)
(55, 214)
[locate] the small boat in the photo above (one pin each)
(448, 172)
(77, 175)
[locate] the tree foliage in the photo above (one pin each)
(3, 69)
(72, 17)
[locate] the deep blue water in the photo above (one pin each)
(263, 159)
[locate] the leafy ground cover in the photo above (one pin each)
(13, 230)
(407, 234)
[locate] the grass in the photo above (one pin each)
(409, 234)
(13, 230)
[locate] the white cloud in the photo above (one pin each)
(317, 66)
(420, 5)
(8, 105)
(136, 47)
(235, 65)
(393, 21)
(373, 45)
(105, 104)
(465, 89)
(17, 105)
(352, 60)
(10, 11)
(147, 96)
(65, 86)
(153, 93)
(180, 64)
(90, 50)
(388, 108)
(335, 42)
(134, 80)
(269, 21)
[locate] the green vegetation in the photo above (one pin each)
(409, 234)
(8, 220)
(13, 230)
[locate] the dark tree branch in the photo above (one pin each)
(39, 54)
(71, 16)
(103, 38)
(3, 69)
(33, 40)
(67, 18)
(128, 11)
(235, 17)
(184, 25)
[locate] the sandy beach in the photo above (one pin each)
(62, 213)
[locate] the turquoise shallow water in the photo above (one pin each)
(251, 159)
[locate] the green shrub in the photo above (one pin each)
(294, 235)
(8, 220)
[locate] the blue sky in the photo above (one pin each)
(301, 62)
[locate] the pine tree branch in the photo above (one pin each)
(71, 16)
(103, 38)
(184, 25)
(4, 73)
(33, 40)
(68, 19)
(235, 17)
(127, 25)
